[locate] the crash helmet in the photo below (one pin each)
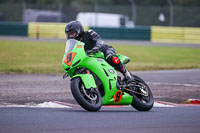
(74, 30)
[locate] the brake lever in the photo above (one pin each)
(88, 52)
(65, 75)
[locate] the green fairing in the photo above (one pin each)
(87, 79)
(123, 58)
(95, 63)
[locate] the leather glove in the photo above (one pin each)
(95, 49)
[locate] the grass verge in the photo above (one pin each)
(45, 57)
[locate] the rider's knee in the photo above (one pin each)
(113, 60)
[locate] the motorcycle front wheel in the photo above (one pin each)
(141, 102)
(89, 99)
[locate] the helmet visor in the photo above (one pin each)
(71, 34)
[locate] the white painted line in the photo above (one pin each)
(57, 104)
(175, 84)
(52, 105)
(156, 104)
(41, 105)
(67, 104)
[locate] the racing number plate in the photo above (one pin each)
(118, 96)
(69, 58)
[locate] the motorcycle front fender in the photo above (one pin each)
(88, 80)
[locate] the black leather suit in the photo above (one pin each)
(92, 39)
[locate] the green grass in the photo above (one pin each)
(45, 57)
(160, 58)
(30, 57)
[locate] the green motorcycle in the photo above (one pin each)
(95, 83)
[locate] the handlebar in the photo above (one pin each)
(89, 52)
(99, 54)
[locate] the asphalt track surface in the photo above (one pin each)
(107, 120)
(185, 76)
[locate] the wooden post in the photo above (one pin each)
(37, 31)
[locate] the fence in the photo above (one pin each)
(47, 30)
(18, 29)
(137, 33)
(175, 34)
(148, 15)
(155, 33)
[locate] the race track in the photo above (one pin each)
(28, 90)
(115, 120)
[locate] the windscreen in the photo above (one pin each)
(70, 45)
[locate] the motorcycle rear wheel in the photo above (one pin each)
(84, 97)
(142, 103)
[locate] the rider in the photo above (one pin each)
(74, 30)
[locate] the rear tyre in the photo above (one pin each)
(89, 99)
(142, 103)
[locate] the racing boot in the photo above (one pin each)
(127, 75)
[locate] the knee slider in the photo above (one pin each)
(115, 60)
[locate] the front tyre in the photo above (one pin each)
(140, 102)
(89, 99)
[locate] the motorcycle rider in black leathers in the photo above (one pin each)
(74, 30)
